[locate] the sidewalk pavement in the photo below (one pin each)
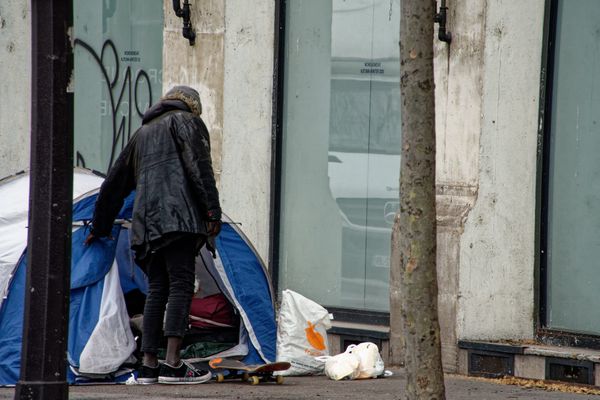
(319, 387)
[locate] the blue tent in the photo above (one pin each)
(100, 338)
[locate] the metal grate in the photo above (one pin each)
(574, 371)
(347, 340)
(490, 364)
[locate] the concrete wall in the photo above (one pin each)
(15, 86)
(247, 94)
(487, 95)
(496, 277)
(199, 66)
(231, 65)
(458, 74)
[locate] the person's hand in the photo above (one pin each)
(89, 239)
(211, 246)
(213, 228)
(92, 238)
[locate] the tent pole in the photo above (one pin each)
(45, 324)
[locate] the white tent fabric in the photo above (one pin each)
(14, 206)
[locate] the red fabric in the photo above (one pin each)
(212, 308)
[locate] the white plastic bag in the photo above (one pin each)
(342, 366)
(361, 361)
(302, 334)
(371, 364)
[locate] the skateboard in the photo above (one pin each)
(248, 373)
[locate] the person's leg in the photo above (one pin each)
(154, 309)
(180, 259)
(173, 350)
(150, 360)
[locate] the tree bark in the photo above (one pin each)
(414, 235)
(397, 343)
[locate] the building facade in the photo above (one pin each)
(302, 101)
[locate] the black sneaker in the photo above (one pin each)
(148, 375)
(184, 374)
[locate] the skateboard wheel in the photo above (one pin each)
(220, 378)
(245, 377)
(279, 379)
(254, 380)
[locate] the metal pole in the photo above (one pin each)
(45, 326)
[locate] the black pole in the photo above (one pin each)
(45, 326)
(440, 18)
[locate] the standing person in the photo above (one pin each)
(176, 209)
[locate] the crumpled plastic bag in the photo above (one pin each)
(342, 366)
(361, 361)
(371, 363)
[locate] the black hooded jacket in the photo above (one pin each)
(168, 163)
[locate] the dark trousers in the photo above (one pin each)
(171, 276)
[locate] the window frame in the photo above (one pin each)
(543, 332)
(341, 314)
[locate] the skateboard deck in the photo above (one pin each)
(254, 373)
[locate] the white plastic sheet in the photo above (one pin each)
(111, 342)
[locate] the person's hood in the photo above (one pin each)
(178, 98)
(188, 95)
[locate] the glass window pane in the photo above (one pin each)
(341, 145)
(118, 73)
(574, 176)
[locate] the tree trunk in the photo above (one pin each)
(414, 235)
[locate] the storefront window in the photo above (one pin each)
(118, 73)
(573, 203)
(341, 150)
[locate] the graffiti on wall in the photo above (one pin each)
(126, 94)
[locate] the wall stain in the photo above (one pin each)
(499, 31)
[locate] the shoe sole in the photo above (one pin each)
(147, 381)
(187, 381)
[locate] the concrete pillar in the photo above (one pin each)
(247, 117)
(453, 206)
(458, 74)
(199, 66)
(496, 277)
(15, 87)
